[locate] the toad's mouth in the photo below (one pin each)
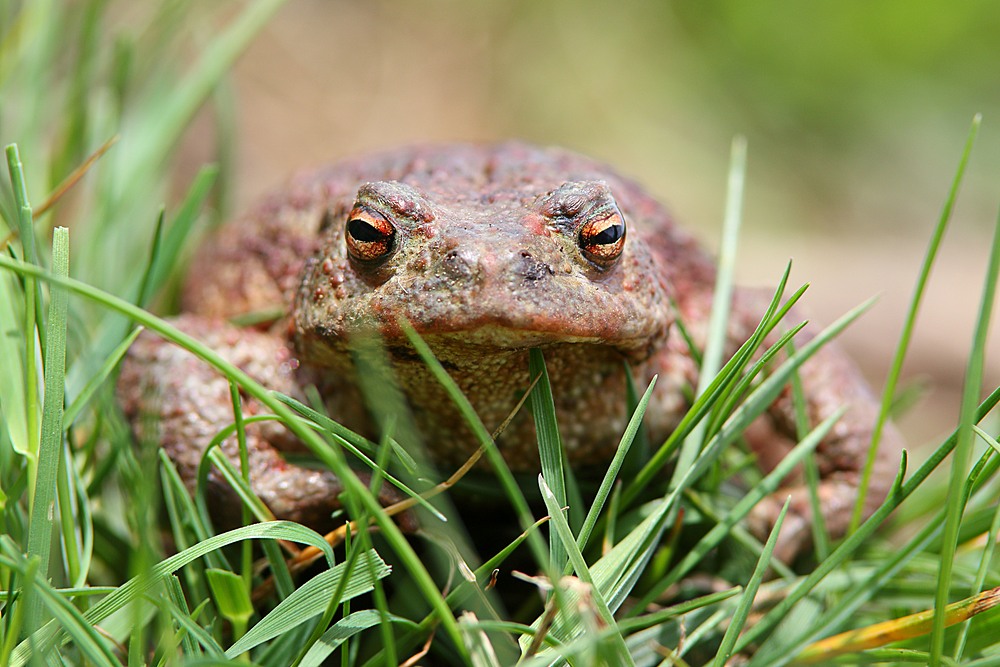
(503, 326)
(460, 346)
(502, 337)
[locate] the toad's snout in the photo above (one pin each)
(489, 266)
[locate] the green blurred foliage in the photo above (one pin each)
(822, 68)
(854, 108)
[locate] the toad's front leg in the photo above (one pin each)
(830, 381)
(190, 403)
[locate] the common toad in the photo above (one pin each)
(487, 251)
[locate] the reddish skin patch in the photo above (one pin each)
(536, 224)
(485, 263)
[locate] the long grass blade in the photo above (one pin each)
(765, 487)
(550, 448)
(703, 404)
(311, 599)
(565, 535)
(715, 344)
(32, 331)
(892, 379)
(76, 626)
(746, 600)
(963, 448)
(986, 558)
(51, 445)
(468, 413)
(621, 454)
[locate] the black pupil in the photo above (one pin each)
(608, 235)
(363, 231)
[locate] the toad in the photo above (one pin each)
(487, 251)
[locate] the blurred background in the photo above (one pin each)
(856, 114)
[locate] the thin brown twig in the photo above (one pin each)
(74, 177)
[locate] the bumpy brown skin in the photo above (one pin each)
(486, 263)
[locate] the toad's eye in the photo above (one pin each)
(369, 235)
(603, 238)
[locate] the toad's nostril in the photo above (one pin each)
(532, 269)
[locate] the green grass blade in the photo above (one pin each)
(25, 223)
(734, 393)
(986, 558)
(98, 379)
(13, 395)
(185, 519)
(765, 487)
(550, 448)
(211, 67)
(704, 403)
(71, 494)
(196, 640)
(746, 600)
(621, 454)
(898, 492)
(493, 455)
(311, 599)
(570, 622)
(617, 571)
(14, 619)
(138, 586)
(765, 394)
(32, 331)
(51, 445)
(246, 557)
(963, 447)
(355, 443)
(234, 477)
(169, 246)
(810, 468)
(889, 391)
(146, 290)
(231, 598)
(75, 625)
(715, 343)
(343, 630)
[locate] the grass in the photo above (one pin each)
(93, 572)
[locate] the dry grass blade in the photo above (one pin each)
(66, 185)
(895, 630)
(75, 176)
